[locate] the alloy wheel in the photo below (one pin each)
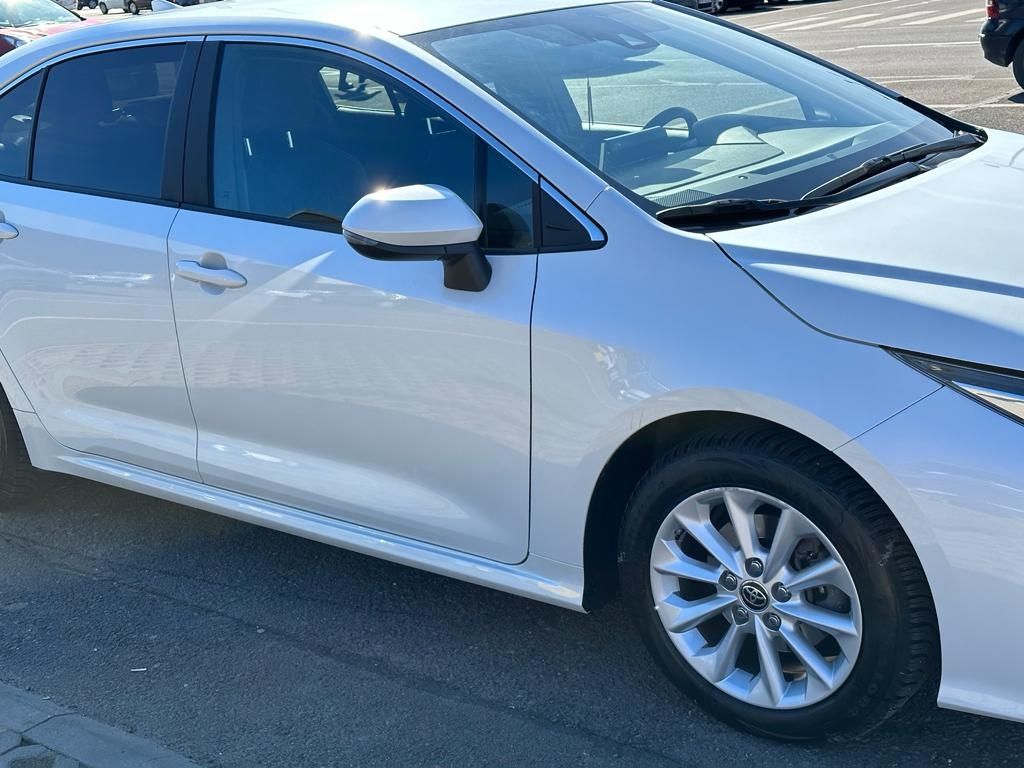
(756, 598)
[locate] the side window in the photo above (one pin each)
(302, 135)
(103, 120)
(17, 112)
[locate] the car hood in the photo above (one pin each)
(28, 34)
(934, 264)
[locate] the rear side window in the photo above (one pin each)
(17, 113)
(103, 121)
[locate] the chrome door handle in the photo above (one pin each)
(219, 278)
(8, 231)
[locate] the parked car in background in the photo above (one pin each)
(128, 6)
(22, 21)
(1002, 37)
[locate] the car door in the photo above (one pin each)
(357, 389)
(85, 301)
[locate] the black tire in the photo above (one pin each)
(103, 9)
(133, 8)
(1018, 64)
(17, 476)
(899, 645)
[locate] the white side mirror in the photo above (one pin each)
(421, 223)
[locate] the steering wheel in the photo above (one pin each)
(672, 114)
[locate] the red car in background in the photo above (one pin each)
(22, 21)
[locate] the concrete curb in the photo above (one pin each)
(36, 732)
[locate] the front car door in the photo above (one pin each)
(85, 305)
(361, 390)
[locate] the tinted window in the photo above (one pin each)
(103, 121)
(508, 206)
(302, 135)
(17, 111)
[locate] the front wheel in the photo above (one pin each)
(1018, 65)
(133, 8)
(775, 587)
(717, 7)
(103, 9)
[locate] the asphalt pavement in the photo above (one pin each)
(239, 646)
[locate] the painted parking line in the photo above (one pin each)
(887, 19)
(979, 12)
(832, 22)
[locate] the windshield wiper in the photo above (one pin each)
(734, 209)
(878, 165)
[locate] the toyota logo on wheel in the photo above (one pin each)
(754, 596)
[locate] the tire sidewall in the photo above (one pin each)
(881, 609)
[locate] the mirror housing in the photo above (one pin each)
(421, 223)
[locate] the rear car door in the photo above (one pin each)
(85, 305)
(360, 390)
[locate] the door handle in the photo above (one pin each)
(8, 231)
(219, 278)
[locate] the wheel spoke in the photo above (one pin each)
(708, 537)
(826, 573)
(791, 528)
(836, 624)
(681, 615)
(741, 506)
(771, 675)
(808, 655)
(723, 658)
(669, 559)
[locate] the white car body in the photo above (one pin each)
(474, 440)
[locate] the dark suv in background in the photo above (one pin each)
(1003, 35)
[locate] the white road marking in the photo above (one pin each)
(796, 9)
(894, 45)
(887, 19)
(831, 22)
(946, 17)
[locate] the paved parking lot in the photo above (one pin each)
(239, 646)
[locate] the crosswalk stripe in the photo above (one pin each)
(790, 23)
(946, 17)
(876, 22)
(832, 22)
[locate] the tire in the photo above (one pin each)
(717, 7)
(1018, 64)
(17, 476)
(891, 605)
(133, 8)
(103, 9)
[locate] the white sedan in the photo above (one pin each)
(600, 294)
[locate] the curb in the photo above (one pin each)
(36, 732)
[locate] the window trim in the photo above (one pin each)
(192, 42)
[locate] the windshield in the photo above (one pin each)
(676, 110)
(29, 13)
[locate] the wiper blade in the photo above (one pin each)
(879, 164)
(733, 209)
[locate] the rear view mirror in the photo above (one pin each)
(421, 223)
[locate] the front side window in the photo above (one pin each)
(675, 110)
(300, 135)
(103, 121)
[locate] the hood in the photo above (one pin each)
(28, 34)
(934, 264)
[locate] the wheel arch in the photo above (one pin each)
(626, 467)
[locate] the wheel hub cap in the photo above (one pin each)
(754, 596)
(786, 637)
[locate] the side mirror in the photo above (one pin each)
(421, 223)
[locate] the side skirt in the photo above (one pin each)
(537, 577)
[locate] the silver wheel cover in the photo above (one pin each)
(784, 638)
